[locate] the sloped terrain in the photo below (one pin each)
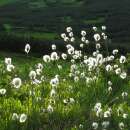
(49, 18)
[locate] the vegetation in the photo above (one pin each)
(66, 91)
(4, 2)
(29, 17)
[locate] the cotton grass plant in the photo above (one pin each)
(72, 90)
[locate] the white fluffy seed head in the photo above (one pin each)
(121, 125)
(108, 68)
(95, 29)
(103, 28)
(54, 56)
(10, 67)
(95, 125)
(72, 39)
(32, 75)
(83, 33)
(53, 47)
(46, 58)
(69, 29)
(63, 35)
(114, 52)
(122, 59)
(27, 48)
(71, 34)
(64, 56)
(23, 118)
(8, 61)
(50, 109)
(16, 82)
(39, 66)
(15, 116)
(2, 91)
(123, 75)
(97, 37)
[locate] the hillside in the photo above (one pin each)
(46, 19)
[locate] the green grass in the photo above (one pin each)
(94, 21)
(65, 116)
(5, 2)
(38, 35)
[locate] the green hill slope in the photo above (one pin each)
(54, 15)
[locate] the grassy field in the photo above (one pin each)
(65, 91)
(64, 114)
(75, 84)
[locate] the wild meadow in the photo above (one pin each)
(70, 90)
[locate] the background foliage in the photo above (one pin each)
(44, 20)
